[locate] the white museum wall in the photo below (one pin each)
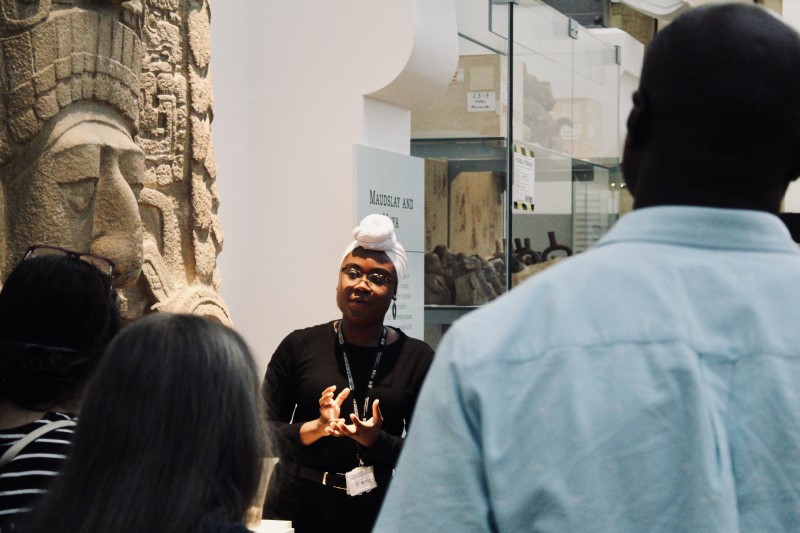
(791, 13)
(289, 85)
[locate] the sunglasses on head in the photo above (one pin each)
(103, 264)
(35, 357)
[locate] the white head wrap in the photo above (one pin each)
(376, 232)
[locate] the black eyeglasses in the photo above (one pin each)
(103, 264)
(373, 278)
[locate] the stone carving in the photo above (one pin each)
(105, 143)
(69, 168)
(181, 230)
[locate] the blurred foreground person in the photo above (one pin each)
(653, 382)
(58, 313)
(170, 437)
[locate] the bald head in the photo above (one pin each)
(719, 99)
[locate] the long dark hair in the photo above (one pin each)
(59, 302)
(170, 437)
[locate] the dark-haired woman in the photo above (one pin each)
(170, 439)
(58, 312)
(340, 394)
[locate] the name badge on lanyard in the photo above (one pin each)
(361, 479)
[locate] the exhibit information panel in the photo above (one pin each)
(393, 184)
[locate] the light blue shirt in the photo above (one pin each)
(649, 384)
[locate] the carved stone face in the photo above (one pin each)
(77, 187)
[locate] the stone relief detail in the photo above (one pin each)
(79, 55)
(105, 143)
(179, 201)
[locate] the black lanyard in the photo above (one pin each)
(372, 375)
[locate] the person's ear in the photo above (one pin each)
(635, 140)
(791, 176)
(794, 166)
(638, 120)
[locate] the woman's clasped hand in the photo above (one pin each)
(364, 432)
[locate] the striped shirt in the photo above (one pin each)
(27, 476)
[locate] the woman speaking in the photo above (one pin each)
(340, 395)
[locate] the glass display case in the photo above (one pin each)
(521, 154)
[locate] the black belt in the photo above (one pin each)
(329, 479)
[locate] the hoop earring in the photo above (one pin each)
(394, 309)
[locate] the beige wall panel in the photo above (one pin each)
(476, 213)
(435, 203)
(472, 105)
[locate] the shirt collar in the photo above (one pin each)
(703, 227)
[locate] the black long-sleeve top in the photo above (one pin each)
(309, 360)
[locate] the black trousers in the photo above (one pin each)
(316, 508)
